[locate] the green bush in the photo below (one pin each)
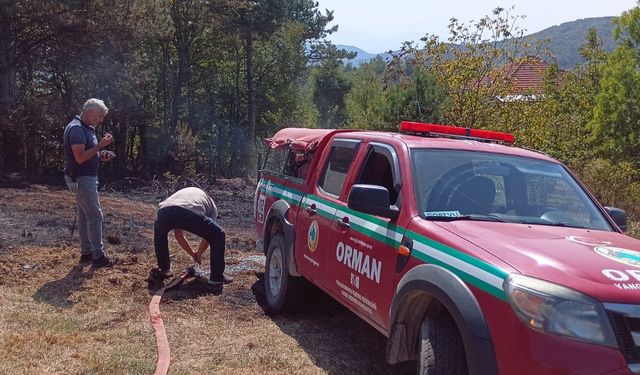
(633, 229)
(615, 184)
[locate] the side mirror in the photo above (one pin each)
(619, 217)
(372, 199)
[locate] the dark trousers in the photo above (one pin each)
(170, 218)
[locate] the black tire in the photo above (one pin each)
(441, 351)
(278, 284)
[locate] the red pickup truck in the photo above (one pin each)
(470, 255)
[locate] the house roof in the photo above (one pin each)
(527, 75)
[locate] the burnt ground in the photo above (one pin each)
(59, 317)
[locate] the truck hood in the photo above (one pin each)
(604, 265)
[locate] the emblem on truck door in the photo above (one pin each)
(312, 236)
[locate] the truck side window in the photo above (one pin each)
(298, 164)
(377, 171)
(276, 160)
(290, 168)
(335, 171)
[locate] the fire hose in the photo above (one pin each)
(162, 342)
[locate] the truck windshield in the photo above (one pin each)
(465, 185)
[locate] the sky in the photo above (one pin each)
(380, 25)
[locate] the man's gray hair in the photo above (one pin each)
(95, 103)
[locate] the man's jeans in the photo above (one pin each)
(173, 217)
(89, 214)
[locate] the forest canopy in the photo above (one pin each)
(193, 85)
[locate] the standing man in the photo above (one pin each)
(191, 210)
(81, 163)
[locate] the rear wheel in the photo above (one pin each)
(278, 284)
(441, 351)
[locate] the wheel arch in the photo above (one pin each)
(424, 291)
(276, 222)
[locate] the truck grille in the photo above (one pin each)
(625, 320)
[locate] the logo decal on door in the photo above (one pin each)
(312, 236)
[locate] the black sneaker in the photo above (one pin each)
(103, 261)
(86, 258)
(224, 279)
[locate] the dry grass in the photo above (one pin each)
(60, 318)
(53, 330)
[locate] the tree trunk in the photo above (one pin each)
(220, 167)
(120, 147)
(7, 73)
(7, 92)
(212, 149)
(130, 148)
(232, 148)
(143, 153)
(249, 146)
(176, 101)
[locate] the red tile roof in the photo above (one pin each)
(527, 75)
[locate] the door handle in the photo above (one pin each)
(344, 222)
(311, 210)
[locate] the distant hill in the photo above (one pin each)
(361, 57)
(563, 41)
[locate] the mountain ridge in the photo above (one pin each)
(563, 41)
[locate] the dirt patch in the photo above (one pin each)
(60, 317)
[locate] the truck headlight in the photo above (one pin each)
(556, 309)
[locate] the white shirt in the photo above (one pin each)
(194, 200)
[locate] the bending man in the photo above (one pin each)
(191, 210)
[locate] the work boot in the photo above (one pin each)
(85, 258)
(103, 261)
(219, 280)
(158, 274)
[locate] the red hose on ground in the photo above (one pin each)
(162, 342)
(164, 357)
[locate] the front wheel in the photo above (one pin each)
(278, 284)
(441, 351)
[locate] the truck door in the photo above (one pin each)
(314, 226)
(363, 262)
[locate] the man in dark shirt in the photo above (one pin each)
(82, 160)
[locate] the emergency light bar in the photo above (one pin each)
(446, 130)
